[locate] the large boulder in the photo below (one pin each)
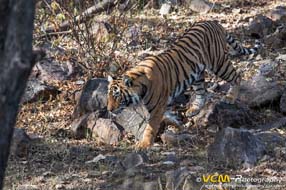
(219, 114)
(93, 97)
(259, 92)
(261, 26)
(105, 131)
(134, 120)
(233, 147)
(50, 70)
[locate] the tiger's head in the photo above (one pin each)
(121, 94)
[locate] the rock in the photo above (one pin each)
(96, 159)
(278, 14)
(280, 152)
(50, 70)
(277, 39)
(267, 67)
(79, 127)
(283, 103)
(276, 124)
(260, 26)
(271, 140)
(59, 186)
(133, 160)
(101, 129)
(171, 138)
(105, 131)
(200, 6)
(38, 91)
(165, 9)
(220, 114)
(258, 92)
(181, 177)
(20, 143)
(170, 157)
(93, 98)
(233, 147)
(133, 120)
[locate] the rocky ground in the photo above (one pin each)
(64, 140)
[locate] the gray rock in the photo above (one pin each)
(93, 98)
(20, 143)
(104, 131)
(283, 103)
(261, 26)
(170, 157)
(280, 152)
(50, 70)
(258, 92)
(38, 91)
(278, 14)
(267, 67)
(181, 178)
(271, 140)
(79, 125)
(220, 114)
(172, 139)
(200, 6)
(165, 9)
(101, 129)
(276, 124)
(133, 120)
(236, 147)
(276, 39)
(133, 160)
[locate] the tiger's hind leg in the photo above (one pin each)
(200, 99)
(229, 74)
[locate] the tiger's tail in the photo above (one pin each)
(239, 49)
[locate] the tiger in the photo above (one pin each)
(158, 79)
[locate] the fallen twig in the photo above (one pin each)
(98, 8)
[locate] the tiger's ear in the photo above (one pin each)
(109, 78)
(127, 81)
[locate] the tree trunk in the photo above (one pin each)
(16, 28)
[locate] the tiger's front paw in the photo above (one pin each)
(192, 111)
(143, 145)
